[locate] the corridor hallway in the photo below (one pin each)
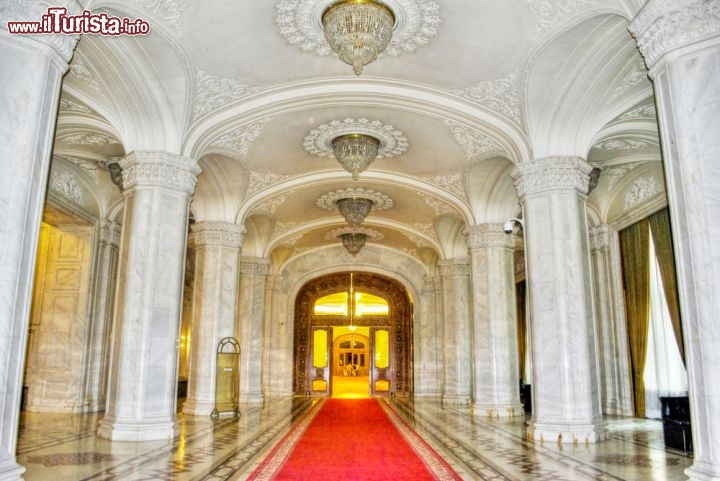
(64, 447)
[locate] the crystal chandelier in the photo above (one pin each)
(355, 152)
(353, 241)
(354, 209)
(358, 30)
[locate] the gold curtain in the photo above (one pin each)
(662, 238)
(634, 243)
(521, 327)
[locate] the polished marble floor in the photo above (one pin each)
(64, 447)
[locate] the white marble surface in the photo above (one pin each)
(684, 60)
(495, 350)
(214, 307)
(456, 332)
(30, 80)
(148, 304)
(565, 389)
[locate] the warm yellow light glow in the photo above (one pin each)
(365, 305)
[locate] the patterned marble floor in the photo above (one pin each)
(64, 447)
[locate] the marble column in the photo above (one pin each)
(251, 316)
(456, 333)
(278, 340)
(566, 384)
(611, 329)
(148, 305)
(30, 79)
(428, 352)
(496, 376)
(100, 337)
(680, 41)
(214, 306)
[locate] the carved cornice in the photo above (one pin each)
(110, 233)
(218, 234)
(32, 11)
(552, 173)
(489, 235)
(432, 284)
(454, 268)
(254, 266)
(500, 95)
(213, 92)
(661, 26)
(550, 12)
(159, 169)
(601, 237)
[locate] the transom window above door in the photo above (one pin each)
(336, 304)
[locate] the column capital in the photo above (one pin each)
(32, 11)
(159, 169)
(432, 284)
(488, 235)
(254, 266)
(454, 268)
(662, 26)
(110, 233)
(601, 237)
(226, 234)
(552, 174)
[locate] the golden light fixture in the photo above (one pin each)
(353, 241)
(354, 209)
(355, 152)
(358, 30)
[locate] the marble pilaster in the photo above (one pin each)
(611, 328)
(30, 80)
(680, 41)
(215, 291)
(427, 343)
(495, 351)
(250, 328)
(566, 386)
(278, 340)
(148, 305)
(456, 332)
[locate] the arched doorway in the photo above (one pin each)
(328, 334)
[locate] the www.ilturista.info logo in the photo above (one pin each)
(57, 21)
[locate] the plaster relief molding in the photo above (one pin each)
(636, 75)
(67, 105)
(601, 237)
(371, 234)
(418, 241)
(488, 235)
(110, 233)
(218, 234)
(254, 266)
(661, 27)
(380, 201)
(171, 11)
(641, 189)
(454, 268)
(552, 173)
(614, 174)
(90, 167)
(237, 142)
(643, 112)
(161, 169)
(549, 12)
(500, 95)
(33, 10)
(88, 139)
(64, 183)
(431, 284)
(271, 205)
(79, 70)
(282, 227)
(319, 140)
(452, 183)
(426, 229)
(624, 144)
(475, 144)
(213, 92)
(438, 206)
(410, 252)
(519, 259)
(416, 22)
(292, 240)
(261, 180)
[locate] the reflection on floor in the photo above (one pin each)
(65, 447)
(350, 387)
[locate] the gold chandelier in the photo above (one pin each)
(354, 209)
(353, 241)
(358, 30)
(355, 152)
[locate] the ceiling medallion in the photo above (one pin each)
(300, 22)
(379, 200)
(358, 31)
(354, 142)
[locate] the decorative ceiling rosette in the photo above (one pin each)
(371, 234)
(380, 200)
(319, 140)
(416, 22)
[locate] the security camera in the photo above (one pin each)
(508, 227)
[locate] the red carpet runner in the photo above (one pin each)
(352, 440)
